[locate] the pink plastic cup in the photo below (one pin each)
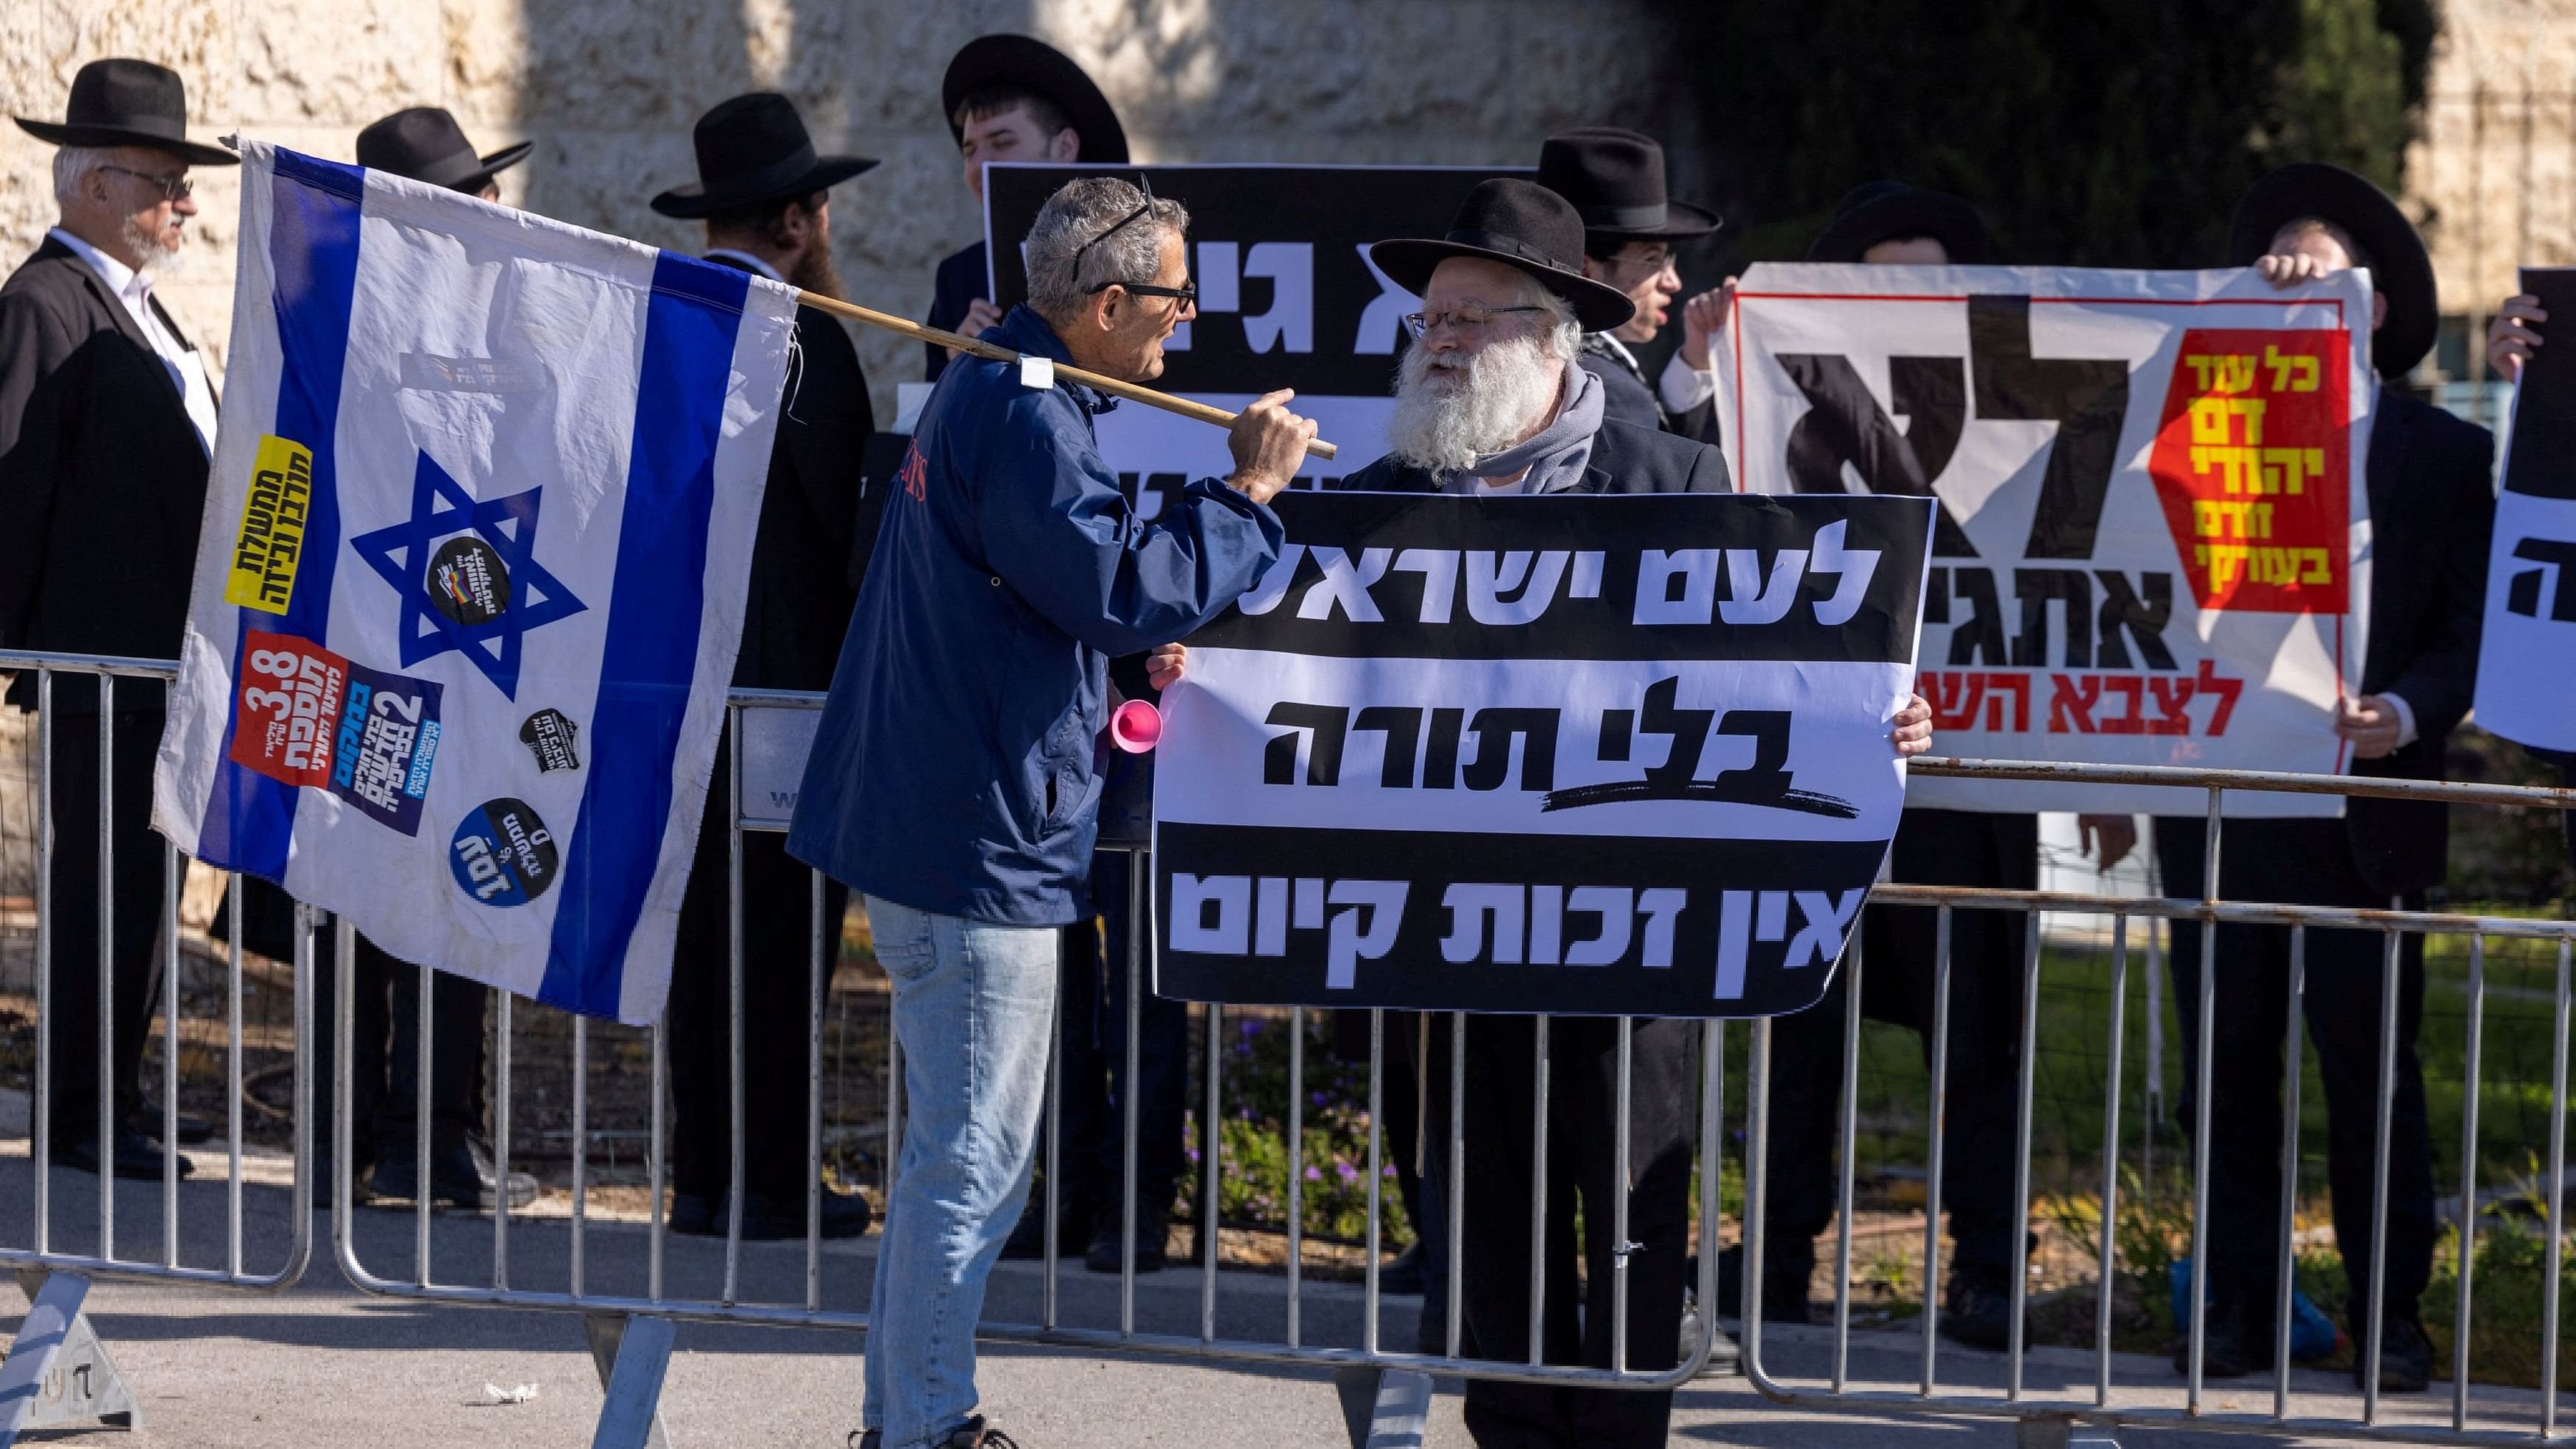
(1136, 726)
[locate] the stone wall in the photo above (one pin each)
(2493, 173)
(609, 88)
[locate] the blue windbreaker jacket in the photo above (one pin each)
(951, 771)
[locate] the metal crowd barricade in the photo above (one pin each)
(630, 1331)
(57, 1370)
(2048, 1419)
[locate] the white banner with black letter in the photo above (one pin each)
(1606, 755)
(2153, 538)
(2526, 691)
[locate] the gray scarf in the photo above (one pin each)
(1555, 456)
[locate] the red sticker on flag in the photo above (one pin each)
(287, 707)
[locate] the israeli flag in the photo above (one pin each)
(471, 576)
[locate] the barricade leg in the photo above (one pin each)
(632, 1355)
(58, 1372)
(2059, 1431)
(1385, 1408)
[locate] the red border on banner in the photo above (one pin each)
(1736, 340)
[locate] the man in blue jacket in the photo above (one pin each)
(951, 777)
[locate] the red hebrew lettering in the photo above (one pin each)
(1954, 698)
(2070, 702)
(2016, 685)
(2131, 723)
(2226, 690)
(2172, 695)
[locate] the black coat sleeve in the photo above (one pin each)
(2440, 681)
(35, 355)
(824, 429)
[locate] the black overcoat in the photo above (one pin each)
(102, 475)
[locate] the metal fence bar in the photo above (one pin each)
(2019, 1292)
(1212, 1122)
(1932, 1194)
(1621, 1185)
(1455, 1198)
(580, 1145)
(503, 1036)
(2374, 1332)
(106, 1121)
(41, 1103)
(1538, 1203)
(2109, 1217)
(170, 871)
(1296, 1171)
(2549, 1324)
(1848, 1137)
(2204, 1037)
(2468, 1229)
(2286, 1284)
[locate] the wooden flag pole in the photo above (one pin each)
(1133, 393)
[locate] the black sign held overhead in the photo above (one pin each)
(1587, 755)
(1287, 297)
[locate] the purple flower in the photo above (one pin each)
(1387, 1171)
(1348, 1172)
(1314, 1174)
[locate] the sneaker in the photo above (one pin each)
(1785, 1285)
(1976, 1309)
(2235, 1343)
(1153, 1236)
(2405, 1354)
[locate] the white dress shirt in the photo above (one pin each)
(134, 290)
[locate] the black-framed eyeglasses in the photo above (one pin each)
(1464, 319)
(1187, 293)
(172, 188)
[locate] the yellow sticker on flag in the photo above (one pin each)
(271, 540)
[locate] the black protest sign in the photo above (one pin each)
(1609, 755)
(1287, 297)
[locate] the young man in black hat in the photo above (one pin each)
(1010, 98)
(423, 143)
(2432, 507)
(763, 192)
(1615, 180)
(106, 423)
(1889, 223)
(1491, 401)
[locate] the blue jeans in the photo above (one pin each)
(972, 1007)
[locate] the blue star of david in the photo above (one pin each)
(401, 553)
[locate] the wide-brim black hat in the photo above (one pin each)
(1615, 180)
(1019, 60)
(1891, 210)
(753, 149)
(120, 102)
(1520, 224)
(2399, 267)
(425, 144)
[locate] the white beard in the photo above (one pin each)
(159, 263)
(1448, 414)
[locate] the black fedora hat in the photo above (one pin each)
(1615, 180)
(753, 149)
(1520, 224)
(2399, 267)
(425, 144)
(1018, 60)
(120, 102)
(1891, 210)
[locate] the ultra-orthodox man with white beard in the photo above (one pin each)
(1490, 402)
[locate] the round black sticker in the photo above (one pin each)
(467, 581)
(502, 854)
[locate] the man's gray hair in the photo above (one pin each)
(1564, 335)
(71, 164)
(1081, 211)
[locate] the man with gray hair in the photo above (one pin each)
(106, 423)
(951, 777)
